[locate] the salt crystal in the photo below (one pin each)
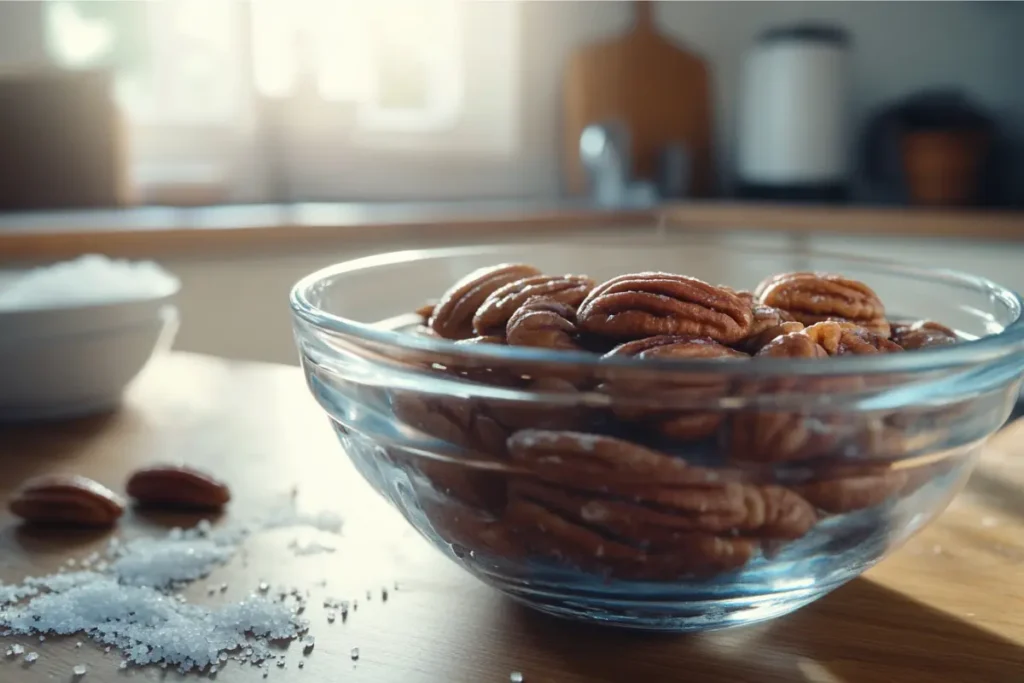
(84, 280)
(124, 603)
(162, 562)
(355, 653)
(79, 670)
(264, 587)
(384, 594)
(213, 670)
(515, 677)
(17, 649)
(42, 639)
(122, 665)
(223, 588)
(9, 653)
(301, 663)
(330, 617)
(78, 644)
(106, 649)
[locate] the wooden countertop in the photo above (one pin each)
(948, 607)
(155, 231)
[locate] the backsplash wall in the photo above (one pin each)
(898, 48)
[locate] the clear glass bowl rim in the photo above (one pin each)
(991, 348)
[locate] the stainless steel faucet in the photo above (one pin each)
(605, 154)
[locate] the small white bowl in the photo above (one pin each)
(73, 375)
(75, 318)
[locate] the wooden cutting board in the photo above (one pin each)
(659, 90)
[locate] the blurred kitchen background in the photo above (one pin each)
(243, 144)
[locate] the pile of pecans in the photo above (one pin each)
(651, 486)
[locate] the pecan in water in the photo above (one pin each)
(598, 462)
(493, 315)
(777, 436)
(452, 317)
(814, 297)
(66, 500)
(675, 424)
(650, 304)
(462, 424)
(854, 492)
(177, 486)
(465, 528)
(539, 412)
(548, 533)
(922, 334)
(647, 515)
(545, 323)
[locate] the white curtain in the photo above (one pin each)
(287, 100)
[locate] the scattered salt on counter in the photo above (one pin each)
(515, 677)
(87, 279)
(161, 562)
(128, 605)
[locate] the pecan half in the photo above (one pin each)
(675, 424)
(650, 304)
(814, 297)
(843, 338)
(792, 345)
(545, 323)
(756, 342)
(493, 315)
(66, 500)
(922, 334)
(452, 317)
(177, 486)
(426, 310)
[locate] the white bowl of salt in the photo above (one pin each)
(74, 334)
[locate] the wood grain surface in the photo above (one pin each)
(660, 91)
(948, 607)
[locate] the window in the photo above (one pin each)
(203, 81)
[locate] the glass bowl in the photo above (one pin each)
(672, 495)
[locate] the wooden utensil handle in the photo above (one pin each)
(643, 16)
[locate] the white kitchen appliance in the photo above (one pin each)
(793, 124)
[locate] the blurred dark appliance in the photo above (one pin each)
(934, 148)
(63, 141)
(793, 128)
